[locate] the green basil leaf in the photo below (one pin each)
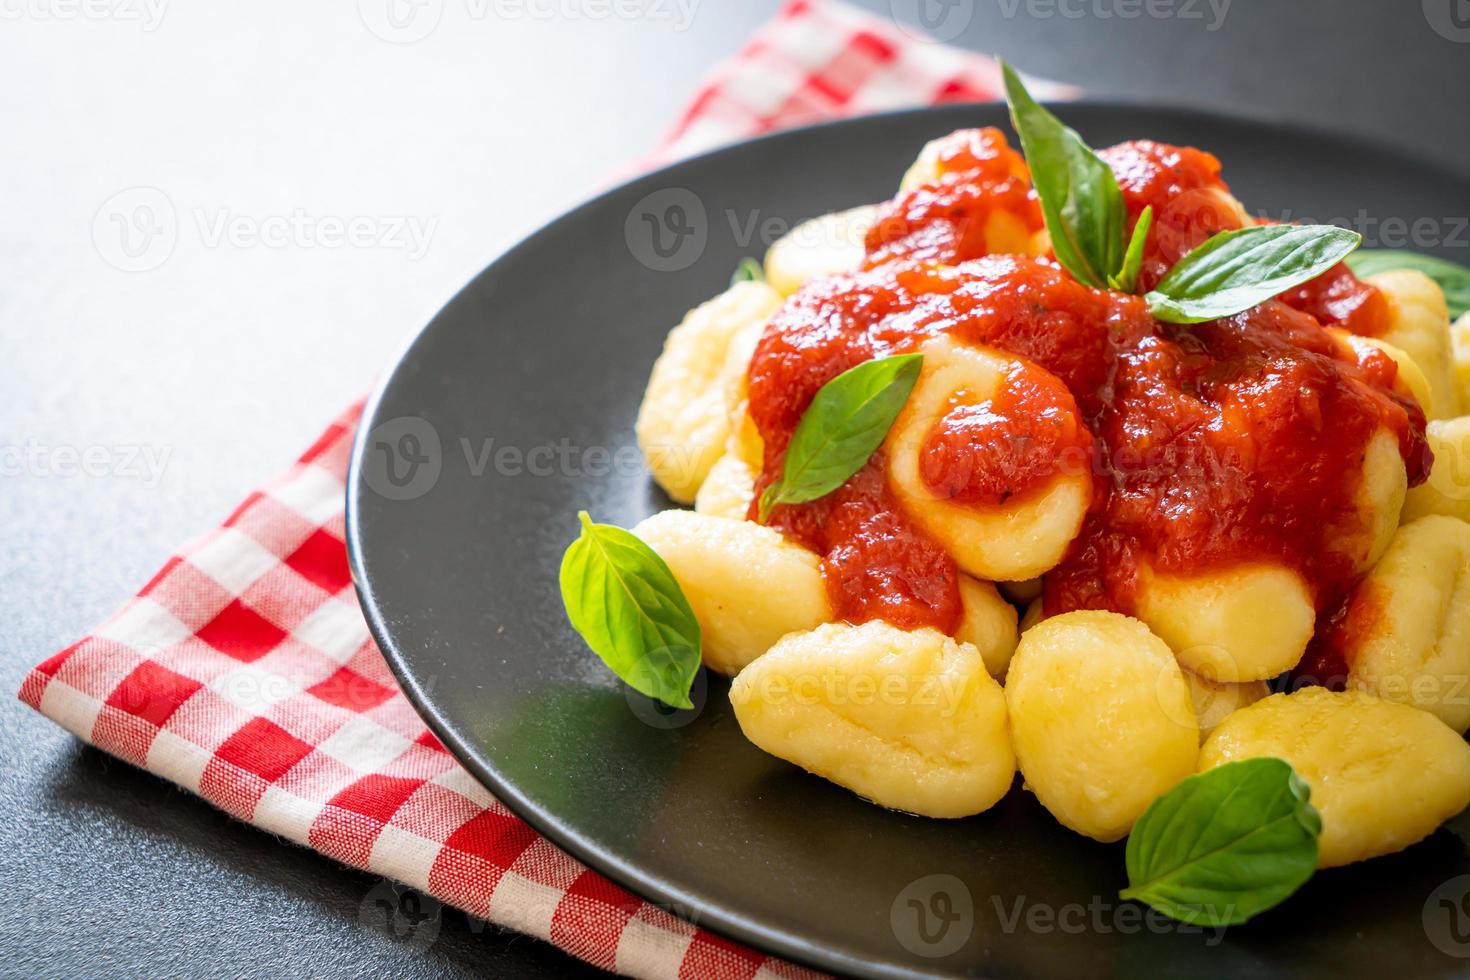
(846, 421)
(1225, 844)
(620, 595)
(1080, 199)
(1236, 270)
(749, 270)
(1127, 279)
(1453, 279)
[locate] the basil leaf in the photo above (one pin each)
(846, 421)
(620, 595)
(1127, 279)
(1080, 199)
(749, 270)
(1453, 279)
(1225, 844)
(1236, 270)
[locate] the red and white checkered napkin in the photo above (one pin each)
(244, 671)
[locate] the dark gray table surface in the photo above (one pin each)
(223, 361)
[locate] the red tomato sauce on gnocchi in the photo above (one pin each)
(948, 220)
(1209, 445)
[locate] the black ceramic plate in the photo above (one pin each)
(514, 409)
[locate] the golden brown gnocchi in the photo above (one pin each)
(1101, 719)
(1408, 622)
(909, 720)
(1382, 775)
(747, 584)
(684, 420)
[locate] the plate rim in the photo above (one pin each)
(715, 917)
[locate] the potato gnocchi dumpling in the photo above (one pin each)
(1419, 324)
(988, 623)
(1214, 701)
(1460, 359)
(1383, 775)
(685, 417)
(1005, 232)
(1408, 635)
(826, 246)
(747, 584)
(1411, 379)
(1378, 500)
(1243, 624)
(1017, 540)
(1035, 613)
(909, 720)
(1447, 491)
(1101, 719)
(728, 489)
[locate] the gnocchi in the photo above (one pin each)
(1419, 325)
(1447, 491)
(1101, 720)
(1379, 501)
(684, 421)
(1016, 540)
(825, 246)
(1214, 701)
(1411, 379)
(728, 489)
(988, 623)
(1226, 482)
(748, 585)
(1243, 624)
(910, 720)
(1382, 775)
(1409, 622)
(1460, 359)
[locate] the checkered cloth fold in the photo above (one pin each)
(244, 671)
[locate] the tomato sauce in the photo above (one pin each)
(1211, 444)
(948, 220)
(1004, 448)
